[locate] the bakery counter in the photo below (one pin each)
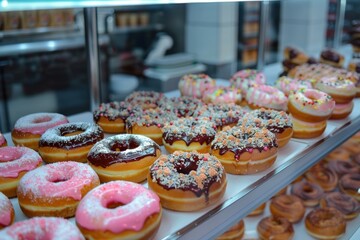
(245, 192)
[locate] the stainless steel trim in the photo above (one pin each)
(339, 24)
(264, 17)
(91, 37)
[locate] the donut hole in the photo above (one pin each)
(123, 146)
(114, 204)
(60, 179)
(185, 166)
(308, 189)
(76, 132)
(42, 120)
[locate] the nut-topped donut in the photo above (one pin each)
(288, 85)
(222, 95)
(3, 141)
(71, 141)
(111, 116)
(183, 106)
(149, 123)
(267, 97)
(187, 181)
(123, 157)
(244, 79)
(28, 129)
(188, 134)
(278, 122)
(245, 150)
(144, 99)
(342, 202)
(194, 85)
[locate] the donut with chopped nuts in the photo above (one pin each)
(187, 181)
(111, 116)
(183, 106)
(145, 99)
(188, 134)
(222, 114)
(149, 123)
(245, 150)
(193, 85)
(123, 157)
(278, 122)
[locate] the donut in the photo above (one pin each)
(265, 96)
(281, 192)
(183, 106)
(332, 58)
(257, 211)
(7, 214)
(323, 176)
(346, 204)
(3, 142)
(310, 193)
(277, 122)
(189, 134)
(123, 157)
(194, 85)
(354, 66)
(325, 223)
(71, 141)
(339, 153)
(310, 109)
(221, 114)
(245, 150)
(50, 228)
(14, 163)
(149, 123)
(111, 117)
(236, 232)
(288, 85)
(222, 95)
(28, 129)
(287, 206)
(119, 210)
(342, 167)
(144, 99)
(356, 159)
(295, 55)
(246, 78)
(55, 189)
(287, 65)
(350, 184)
(187, 181)
(272, 227)
(352, 146)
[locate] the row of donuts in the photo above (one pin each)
(329, 202)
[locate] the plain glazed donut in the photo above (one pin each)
(123, 157)
(289, 85)
(287, 206)
(187, 181)
(246, 78)
(325, 223)
(111, 117)
(339, 153)
(257, 211)
(55, 189)
(194, 85)
(310, 193)
(14, 163)
(350, 184)
(222, 95)
(272, 227)
(189, 134)
(71, 141)
(276, 122)
(28, 129)
(236, 232)
(265, 96)
(323, 176)
(245, 150)
(342, 167)
(3, 142)
(346, 204)
(144, 99)
(7, 214)
(49, 228)
(119, 210)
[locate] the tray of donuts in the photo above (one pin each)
(72, 169)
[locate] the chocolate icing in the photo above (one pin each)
(330, 56)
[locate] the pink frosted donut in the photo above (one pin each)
(55, 189)
(244, 79)
(3, 142)
(7, 213)
(14, 163)
(266, 96)
(288, 85)
(121, 210)
(194, 85)
(342, 91)
(225, 95)
(49, 228)
(28, 129)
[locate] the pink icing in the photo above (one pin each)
(139, 203)
(288, 85)
(49, 228)
(61, 179)
(244, 79)
(2, 139)
(14, 160)
(5, 210)
(222, 95)
(38, 123)
(194, 85)
(267, 96)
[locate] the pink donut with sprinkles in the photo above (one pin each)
(3, 141)
(7, 213)
(244, 79)
(194, 85)
(267, 97)
(55, 189)
(49, 228)
(28, 129)
(288, 85)
(225, 95)
(119, 210)
(14, 163)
